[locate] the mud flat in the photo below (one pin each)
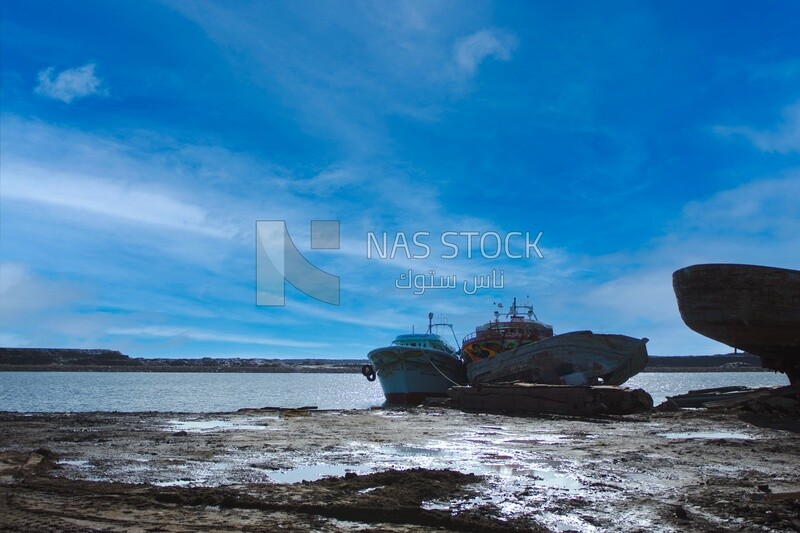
(398, 470)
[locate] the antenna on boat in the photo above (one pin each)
(497, 311)
(430, 323)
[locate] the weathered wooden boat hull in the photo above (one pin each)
(753, 308)
(409, 375)
(529, 398)
(577, 358)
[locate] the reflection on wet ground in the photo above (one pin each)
(707, 435)
(566, 474)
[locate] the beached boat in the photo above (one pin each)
(416, 366)
(521, 348)
(497, 336)
(753, 308)
(575, 358)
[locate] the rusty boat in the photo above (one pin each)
(521, 348)
(753, 308)
(497, 336)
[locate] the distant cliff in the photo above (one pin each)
(61, 359)
(63, 356)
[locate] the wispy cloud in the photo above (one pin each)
(23, 293)
(783, 139)
(108, 198)
(768, 206)
(37, 309)
(69, 84)
(469, 52)
(188, 333)
(755, 223)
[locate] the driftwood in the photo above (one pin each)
(724, 397)
(532, 398)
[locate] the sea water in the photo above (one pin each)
(217, 392)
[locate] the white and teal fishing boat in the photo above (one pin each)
(416, 366)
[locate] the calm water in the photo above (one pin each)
(208, 392)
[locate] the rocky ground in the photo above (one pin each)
(398, 470)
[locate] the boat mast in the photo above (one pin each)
(430, 323)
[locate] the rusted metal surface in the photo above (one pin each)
(753, 308)
(551, 399)
(576, 358)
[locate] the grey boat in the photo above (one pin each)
(576, 358)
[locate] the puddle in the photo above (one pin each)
(548, 438)
(533, 477)
(415, 451)
(370, 489)
(178, 483)
(79, 463)
(311, 473)
(213, 425)
(707, 435)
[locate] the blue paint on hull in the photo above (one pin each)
(409, 375)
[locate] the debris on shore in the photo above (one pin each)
(779, 399)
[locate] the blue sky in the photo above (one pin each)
(141, 141)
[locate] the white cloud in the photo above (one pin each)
(783, 139)
(69, 84)
(642, 294)
(23, 293)
(755, 223)
(129, 202)
(328, 181)
(194, 334)
(769, 205)
(470, 51)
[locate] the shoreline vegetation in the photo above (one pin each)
(100, 360)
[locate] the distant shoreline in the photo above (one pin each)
(350, 369)
(100, 360)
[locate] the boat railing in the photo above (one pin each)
(510, 332)
(468, 338)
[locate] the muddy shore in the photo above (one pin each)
(398, 470)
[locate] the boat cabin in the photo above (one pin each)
(499, 336)
(423, 340)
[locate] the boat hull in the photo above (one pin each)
(753, 308)
(580, 400)
(409, 375)
(576, 358)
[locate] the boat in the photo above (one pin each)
(530, 398)
(752, 308)
(500, 336)
(416, 366)
(521, 348)
(575, 358)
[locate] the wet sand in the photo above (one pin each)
(398, 470)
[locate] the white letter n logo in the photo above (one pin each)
(279, 260)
